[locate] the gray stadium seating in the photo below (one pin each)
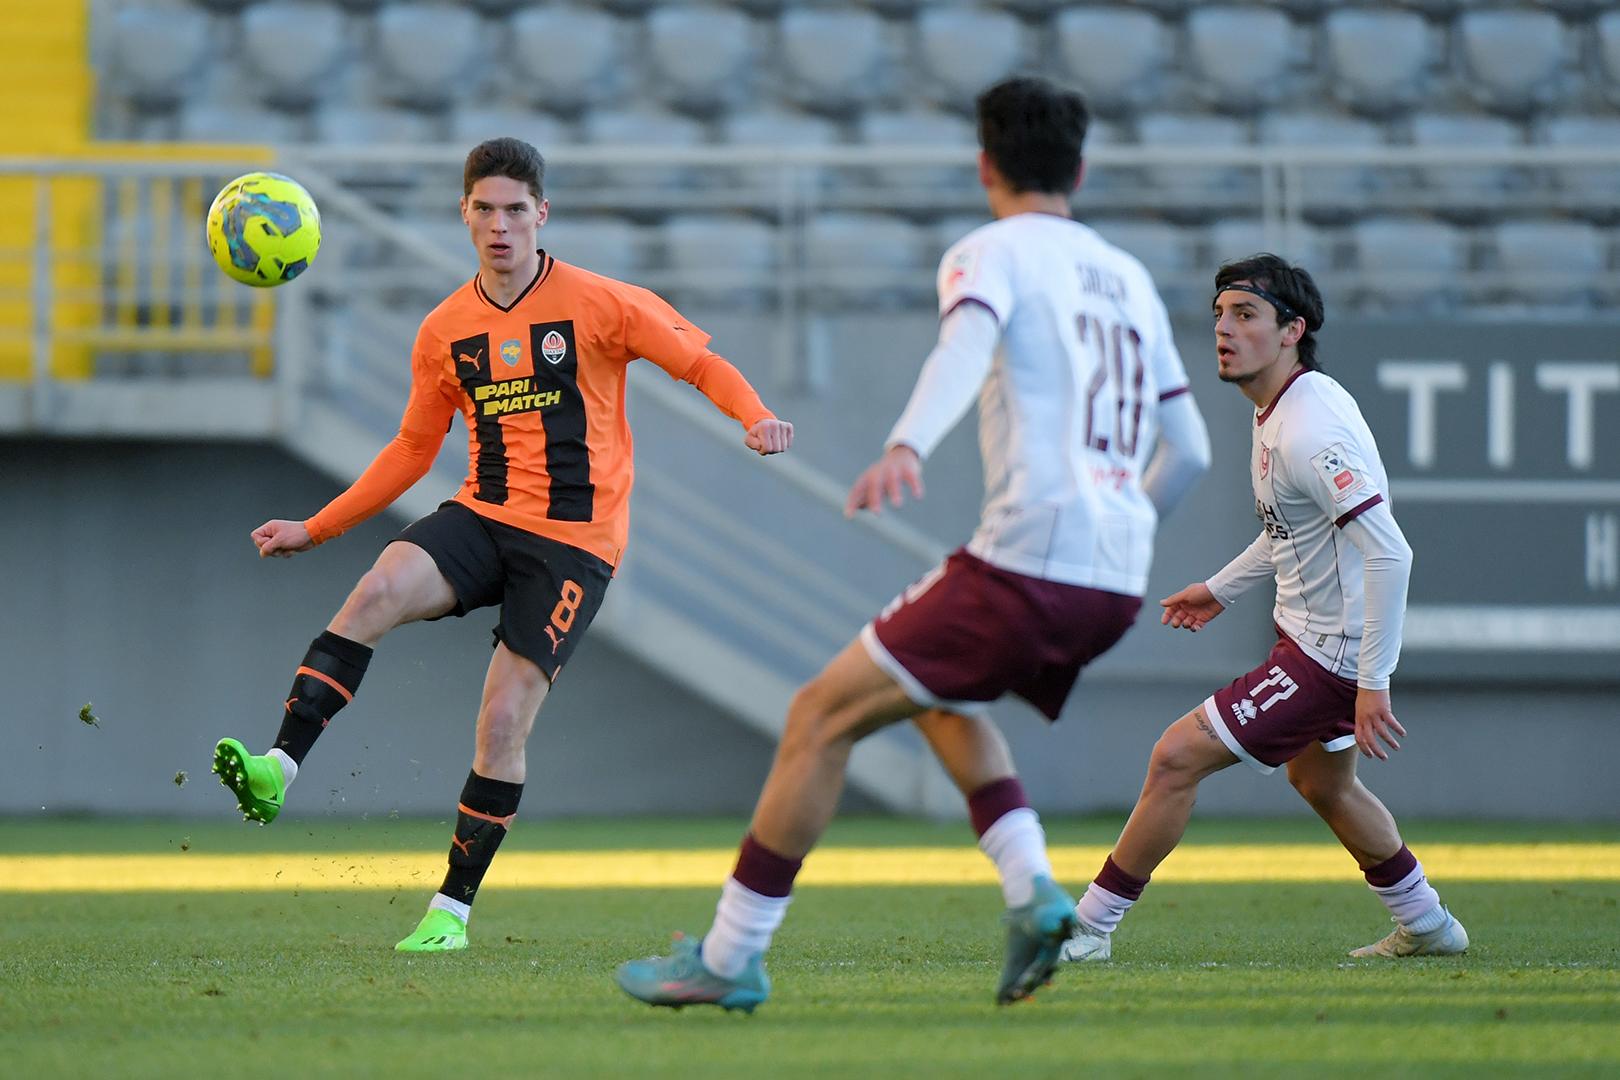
(1514, 59)
(641, 126)
(1189, 130)
(428, 53)
(599, 244)
(1116, 55)
(156, 52)
(1554, 262)
(292, 48)
(1329, 130)
(237, 122)
(1241, 55)
(721, 258)
(785, 128)
(1378, 58)
(1607, 31)
(360, 124)
(1239, 237)
(702, 56)
(1591, 188)
(471, 124)
(833, 57)
(962, 50)
(864, 259)
(921, 128)
(568, 57)
(1399, 258)
(1468, 131)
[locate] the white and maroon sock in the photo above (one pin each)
(1010, 834)
(1109, 897)
(1401, 885)
(753, 902)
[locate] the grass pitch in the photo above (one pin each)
(175, 949)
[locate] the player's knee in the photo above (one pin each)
(1172, 764)
(812, 722)
(1319, 791)
(374, 598)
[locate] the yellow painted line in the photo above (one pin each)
(194, 872)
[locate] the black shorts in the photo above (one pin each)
(549, 591)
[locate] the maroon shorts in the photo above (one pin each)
(969, 632)
(1269, 716)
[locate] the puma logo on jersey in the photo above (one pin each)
(556, 639)
(471, 361)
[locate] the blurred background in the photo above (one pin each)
(787, 174)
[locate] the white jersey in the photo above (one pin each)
(1315, 468)
(1068, 414)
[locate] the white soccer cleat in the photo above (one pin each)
(1450, 940)
(1086, 944)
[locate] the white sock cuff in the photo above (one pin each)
(441, 902)
(1012, 823)
(289, 767)
(1404, 885)
(756, 903)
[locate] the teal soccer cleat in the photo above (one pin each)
(681, 979)
(1035, 936)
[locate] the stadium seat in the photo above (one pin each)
(1190, 132)
(722, 258)
(1400, 261)
(1241, 55)
(784, 128)
(1591, 187)
(291, 48)
(1316, 128)
(568, 57)
(1550, 261)
(925, 129)
(237, 122)
(1237, 238)
(1116, 55)
(963, 50)
(642, 126)
(1454, 130)
(1607, 29)
(833, 57)
(1378, 58)
(373, 125)
(864, 260)
(598, 244)
(471, 124)
(701, 56)
(426, 52)
(1513, 58)
(155, 53)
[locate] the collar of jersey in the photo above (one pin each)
(1265, 414)
(540, 274)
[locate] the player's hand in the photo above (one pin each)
(886, 478)
(1190, 608)
(769, 437)
(281, 539)
(1375, 721)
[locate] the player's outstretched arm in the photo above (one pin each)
(769, 436)
(888, 478)
(281, 539)
(1191, 608)
(1375, 722)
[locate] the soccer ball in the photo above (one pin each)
(263, 229)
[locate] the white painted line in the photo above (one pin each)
(1507, 491)
(1504, 627)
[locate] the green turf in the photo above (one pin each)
(1210, 980)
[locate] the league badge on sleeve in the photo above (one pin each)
(961, 270)
(1339, 472)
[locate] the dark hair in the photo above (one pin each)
(512, 158)
(1293, 285)
(1032, 129)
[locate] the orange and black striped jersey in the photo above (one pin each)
(541, 384)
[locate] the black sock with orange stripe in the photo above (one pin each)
(326, 681)
(487, 808)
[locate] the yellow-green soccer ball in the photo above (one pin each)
(263, 229)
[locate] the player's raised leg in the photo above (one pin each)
(514, 689)
(404, 585)
(1188, 751)
(1039, 914)
(851, 698)
(1423, 925)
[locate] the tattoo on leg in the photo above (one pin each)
(1203, 724)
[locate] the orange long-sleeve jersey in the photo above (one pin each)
(541, 385)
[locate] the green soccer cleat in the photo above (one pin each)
(681, 979)
(1035, 936)
(257, 781)
(439, 931)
